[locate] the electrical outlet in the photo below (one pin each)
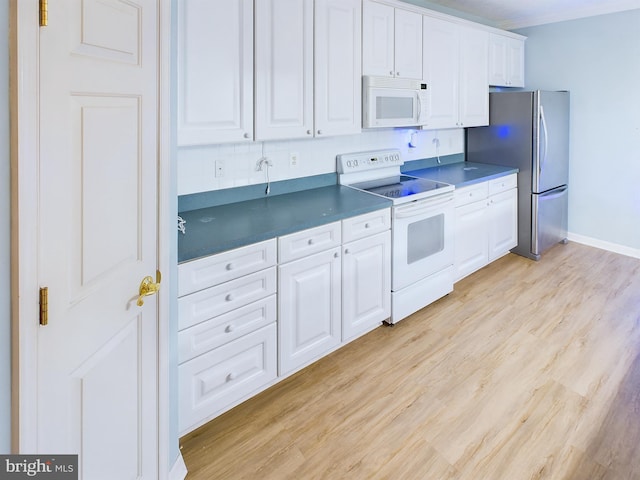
(219, 168)
(293, 159)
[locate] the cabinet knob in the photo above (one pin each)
(229, 298)
(346, 251)
(229, 266)
(310, 241)
(308, 132)
(366, 225)
(246, 135)
(230, 328)
(319, 132)
(231, 377)
(397, 74)
(391, 73)
(336, 255)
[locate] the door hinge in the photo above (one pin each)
(44, 306)
(44, 13)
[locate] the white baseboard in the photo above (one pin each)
(179, 469)
(612, 247)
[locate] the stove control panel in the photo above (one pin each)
(362, 161)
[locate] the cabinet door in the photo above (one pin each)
(366, 284)
(497, 60)
(309, 299)
(377, 39)
(337, 69)
(441, 71)
(408, 44)
(284, 69)
(471, 238)
(506, 61)
(474, 81)
(503, 214)
(515, 62)
(215, 71)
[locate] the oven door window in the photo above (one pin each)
(425, 238)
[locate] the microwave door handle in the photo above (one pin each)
(419, 109)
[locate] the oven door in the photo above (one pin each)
(422, 239)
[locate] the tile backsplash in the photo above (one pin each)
(236, 163)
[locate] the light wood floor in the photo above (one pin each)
(528, 370)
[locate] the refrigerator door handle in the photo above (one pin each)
(556, 192)
(543, 121)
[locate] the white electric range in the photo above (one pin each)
(422, 227)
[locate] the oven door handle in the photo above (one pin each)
(421, 207)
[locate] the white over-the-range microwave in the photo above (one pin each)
(393, 102)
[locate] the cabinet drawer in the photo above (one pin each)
(366, 225)
(216, 269)
(307, 242)
(471, 194)
(222, 329)
(212, 382)
(503, 184)
(214, 301)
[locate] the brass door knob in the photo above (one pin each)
(148, 287)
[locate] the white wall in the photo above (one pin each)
(5, 255)
(598, 60)
(196, 165)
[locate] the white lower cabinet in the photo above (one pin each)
(309, 296)
(227, 338)
(251, 316)
(486, 223)
(366, 284)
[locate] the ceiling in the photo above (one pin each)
(511, 14)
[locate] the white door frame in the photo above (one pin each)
(24, 220)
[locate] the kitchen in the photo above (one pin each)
(194, 171)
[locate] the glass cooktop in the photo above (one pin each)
(403, 187)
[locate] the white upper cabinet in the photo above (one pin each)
(408, 44)
(284, 69)
(455, 68)
(391, 41)
(474, 81)
(337, 69)
(506, 61)
(215, 85)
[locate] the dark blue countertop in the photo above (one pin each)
(462, 174)
(215, 229)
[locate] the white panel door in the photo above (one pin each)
(377, 39)
(215, 71)
(366, 284)
(284, 69)
(503, 223)
(474, 77)
(408, 44)
(441, 71)
(471, 238)
(308, 309)
(97, 357)
(337, 68)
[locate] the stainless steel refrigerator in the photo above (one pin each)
(530, 131)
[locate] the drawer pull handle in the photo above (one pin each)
(230, 328)
(336, 255)
(310, 242)
(231, 377)
(366, 225)
(229, 298)
(229, 266)
(346, 252)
